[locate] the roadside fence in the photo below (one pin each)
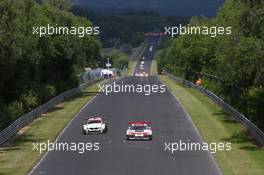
(233, 113)
(24, 120)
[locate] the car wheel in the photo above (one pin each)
(105, 130)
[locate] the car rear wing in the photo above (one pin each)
(140, 123)
(86, 120)
(95, 118)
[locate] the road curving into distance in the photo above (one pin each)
(116, 155)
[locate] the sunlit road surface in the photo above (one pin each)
(117, 156)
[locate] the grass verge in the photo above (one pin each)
(16, 155)
(154, 64)
(246, 157)
(133, 62)
(154, 68)
(131, 67)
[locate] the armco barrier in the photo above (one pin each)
(251, 127)
(29, 117)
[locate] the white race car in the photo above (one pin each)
(150, 48)
(144, 74)
(94, 125)
(139, 130)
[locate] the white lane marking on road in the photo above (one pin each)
(46, 153)
(195, 128)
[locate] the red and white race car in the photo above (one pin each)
(139, 130)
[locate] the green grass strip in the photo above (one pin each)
(133, 62)
(154, 68)
(245, 158)
(17, 157)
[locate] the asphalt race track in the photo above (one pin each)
(116, 155)
(147, 56)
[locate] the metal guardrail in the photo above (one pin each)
(251, 127)
(24, 120)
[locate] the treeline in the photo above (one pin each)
(33, 69)
(231, 65)
(128, 28)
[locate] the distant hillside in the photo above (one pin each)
(127, 28)
(164, 7)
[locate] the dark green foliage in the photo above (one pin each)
(33, 69)
(231, 65)
(120, 60)
(128, 28)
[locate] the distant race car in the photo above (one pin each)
(150, 48)
(139, 130)
(144, 74)
(94, 125)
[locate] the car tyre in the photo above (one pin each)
(105, 130)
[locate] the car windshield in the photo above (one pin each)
(138, 127)
(94, 121)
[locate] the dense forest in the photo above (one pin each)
(232, 66)
(163, 7)
(33, 69)
(129, 27)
